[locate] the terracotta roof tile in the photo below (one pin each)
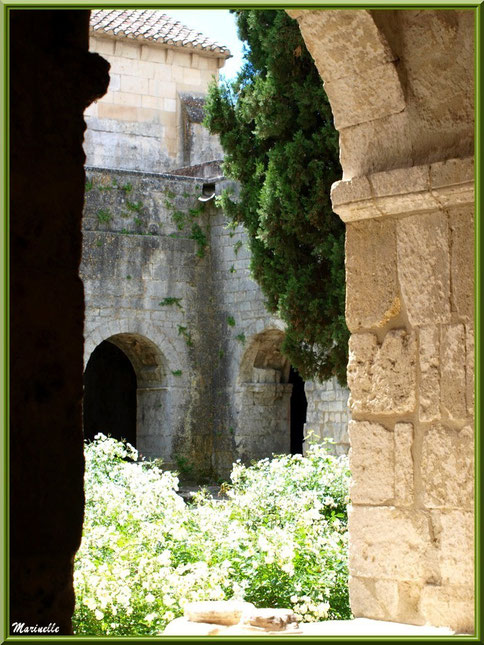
(151, 25)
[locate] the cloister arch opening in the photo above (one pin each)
(109, 404)
(125, 393)
(272, 401)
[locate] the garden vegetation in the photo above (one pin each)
(278, 538)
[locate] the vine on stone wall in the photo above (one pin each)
(187, 218)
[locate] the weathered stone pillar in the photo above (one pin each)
(400, 85)
(53, 79)
(409, 306)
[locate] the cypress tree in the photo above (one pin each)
(276, 129)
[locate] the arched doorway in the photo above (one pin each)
(110, 394)
(272, 401)
(126, 396)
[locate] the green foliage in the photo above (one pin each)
(111, 186)
(231, 321)
(184, 218)
(240, 338)
(104, 216)
(278, 539)
(89, 185)
(127, 187)
(200, 238)
(184, 466)
(171, 301)
(138, 222)
(134, 206)
(176, 372)
(237, 246)
(179, 218)
(275, 125)
(232, 269)
(182, 331)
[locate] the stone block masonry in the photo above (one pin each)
(406, 135)
(140, 124)
(168, 282)
(410, 373)
(328, 414)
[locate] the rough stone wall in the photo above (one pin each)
(53, 79)
(142, 122)
(257, 405)
(402, 98)
(215, 388)
(411, 381)
(134, 257)
(328, 414)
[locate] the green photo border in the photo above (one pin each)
(5, 7)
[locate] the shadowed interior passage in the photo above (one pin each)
(110, 394)
(299, 406)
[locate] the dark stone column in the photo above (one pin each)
(53, 79)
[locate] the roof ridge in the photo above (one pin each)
(152, 26)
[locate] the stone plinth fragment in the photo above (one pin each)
(232, 618)
(219, 612)
(271, 619)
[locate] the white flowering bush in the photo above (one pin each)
(279, 539)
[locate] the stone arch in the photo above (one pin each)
(160, 396)
(262, 361)
(110, 392)
(146, 358)
(400, 84)
(146, 345)
(401, 87)
(264, 396)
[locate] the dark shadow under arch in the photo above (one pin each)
(110, 394)
(299, 406)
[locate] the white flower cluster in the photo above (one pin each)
(279, 539)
